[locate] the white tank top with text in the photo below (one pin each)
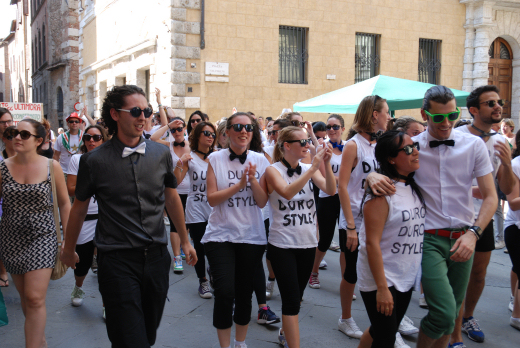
(335, 162)
(197, 206)
(182, 187)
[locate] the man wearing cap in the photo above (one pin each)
(68, 143)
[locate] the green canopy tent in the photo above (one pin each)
(399, 93)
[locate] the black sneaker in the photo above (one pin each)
(267, 316)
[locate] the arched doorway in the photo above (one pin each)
(501, 71)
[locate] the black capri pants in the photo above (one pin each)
(293, 268)
(328, 214)
(350, 274)
(197, 231)
(183, 197)
(383, 328)
(512, 239)
(86, 254)
(232, 268)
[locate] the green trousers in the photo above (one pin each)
(444, 282)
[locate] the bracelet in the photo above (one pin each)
(474, 232)
(351, 229)
(160, 105)
(179, 168)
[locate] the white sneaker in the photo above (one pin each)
(511, 303)
(177, 265)
(406, 327)
(240, 345)
(269, 288)
(422, 302)
(76, 297)
(166, 221)
(399, 343)
(323, 264)
(500, 245)
(334, 246)
(349, 328)
(354, 297)
(515, 322)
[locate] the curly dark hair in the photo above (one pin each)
(115, 99)
(195, 135)
(102, 131)
(473, 99)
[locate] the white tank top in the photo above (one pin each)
(401, 243)
(269, 150)
(366, 163)
(197, 206)
(293, 222)
(335, 162)
(238, 219)
(183, 187)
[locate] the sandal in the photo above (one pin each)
(5, 283)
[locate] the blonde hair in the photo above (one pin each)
(289, 115)
(365, 110)
(510, 123)
(221, 129)
(284, 135)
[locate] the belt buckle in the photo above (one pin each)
(452, 232)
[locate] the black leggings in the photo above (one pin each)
(259, 278)
(232, 268)
(328, 215)
(183, 200)
(197, 231)
(293, 268)
(85, 253)
(350, 274)
(512, 239)
(383, 328)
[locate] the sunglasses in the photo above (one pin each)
(237, 127)
(179, 129)
(303, 142)
(87, 137)
(13, 133)
(376, 98)
(136, 112)
(335, 127)
(492, 103)
(209, 134)
(77, 121)
(273, 132)
(195, 120)
(408, 149)
(438, 118)
(298, 123)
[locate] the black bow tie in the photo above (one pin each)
(242, 158)
(408, 179)
(482, 133)
(291, 171)
(437, 143)
(147, 136)
(204, 154)
(375, 136)
(181, 144)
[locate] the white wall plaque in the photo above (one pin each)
(215, 68)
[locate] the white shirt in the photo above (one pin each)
(401, 243)
(366, 163)
(197, 206)
(495, 160)
(335, 162)
(445, 177)
(513, 217)
(293, 222)
(89, 227)
(183, 188)
(64, 154)
(238, 219)
(269, 150)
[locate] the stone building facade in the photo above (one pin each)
(171, 43)
(55, 58)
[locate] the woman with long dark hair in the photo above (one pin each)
(235, 239)
(195, 166)
(387, 272)
(292, 240)
(357, 162)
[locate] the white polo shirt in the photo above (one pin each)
(445, 176)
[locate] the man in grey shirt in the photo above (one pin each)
(132, 179)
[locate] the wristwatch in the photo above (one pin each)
(477, 230)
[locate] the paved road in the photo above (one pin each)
(187, 318)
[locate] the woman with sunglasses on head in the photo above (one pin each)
(28, 242)
(94, 136)
(195, 166)
(387, 274)
(195, 118)
(179, 147)
(328, 207)
(292, 238)
(235, 240)
(357, 162)
(297, 121)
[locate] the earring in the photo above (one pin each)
(392, 162)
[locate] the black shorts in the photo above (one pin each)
(183, 200)
(487, 240)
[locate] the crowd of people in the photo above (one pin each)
(413, 202)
